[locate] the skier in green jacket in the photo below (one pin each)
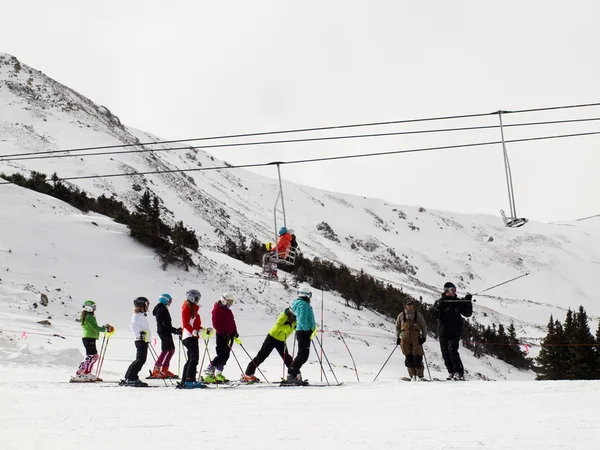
(91, 332)
(276, 339)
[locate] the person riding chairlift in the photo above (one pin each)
(269, 268)
(284, 244)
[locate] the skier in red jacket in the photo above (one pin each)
(191, 324)
(226, 329)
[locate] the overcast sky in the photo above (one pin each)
(184, 69)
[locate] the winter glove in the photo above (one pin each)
(144, 336)
(398, 340)
(314, 333)
(207, 333)
(109, 328)
(422, 340)
(236, 338)
(178, 331)
(195, 333)
(468, 297)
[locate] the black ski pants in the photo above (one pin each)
(223, 351)
(141, 354)
(303, 338)
(449, 347)
(269, 344)
(166, 342)
(193, 356)
(90, 346)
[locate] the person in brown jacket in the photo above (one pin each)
(411, 331)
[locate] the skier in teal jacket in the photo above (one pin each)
(305, 329)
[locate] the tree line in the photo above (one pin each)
(145, 224)
(570, 351)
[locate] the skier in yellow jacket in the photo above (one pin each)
(411, 330)
(276, 339)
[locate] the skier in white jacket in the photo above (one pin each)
(141, 334)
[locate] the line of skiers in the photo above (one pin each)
(411, 331)
(299, 318)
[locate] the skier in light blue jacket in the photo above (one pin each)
(305, 329)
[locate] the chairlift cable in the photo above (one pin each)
(298, 130)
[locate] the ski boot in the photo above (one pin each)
(250, 379)
(193, 385)
(168, 373)
(294, 380)
(133, 383)
(220, 377)
(209, 374)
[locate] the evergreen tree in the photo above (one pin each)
(583, 357)
(515, 355)
(548, 359)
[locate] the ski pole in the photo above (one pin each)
(101, 363)
(386, 361)
(235, 357)
(283, 362)
(352, 357)
(327, 359)
(155, 357)
(258, 368)
(101, 355)
(322, 306)
(206, 337)
(320, 361)
(204, 354)
(426, 365)
(179, 358)
(505, 282)
(485, 290)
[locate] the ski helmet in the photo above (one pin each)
(141, 301)
(448, 286)
(282, 231)
(227, 298)
(89, 306)
(291, 231)
(305, 292)
(165, 299)
(193, 296)
(410, 302)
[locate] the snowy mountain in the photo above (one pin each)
(49, 247)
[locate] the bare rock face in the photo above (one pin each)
(44, 299)
(45, 322)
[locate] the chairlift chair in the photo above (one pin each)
(513, 221)
(290, 253)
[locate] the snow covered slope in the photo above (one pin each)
(48, 247)
(410, 246)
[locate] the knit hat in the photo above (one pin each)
(448, 286)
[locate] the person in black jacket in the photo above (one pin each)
(449, 310)
(165, 331)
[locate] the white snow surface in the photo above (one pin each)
(48, 247)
